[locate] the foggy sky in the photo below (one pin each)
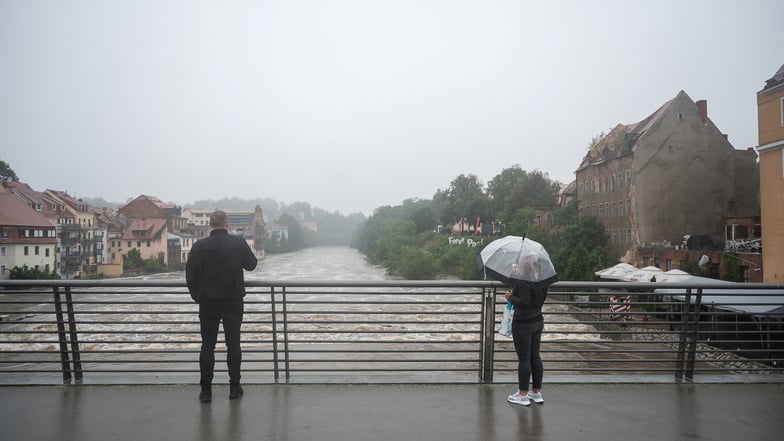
(351, 105)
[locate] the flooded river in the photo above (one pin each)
(319, 263)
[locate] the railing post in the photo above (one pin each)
(488, 336)
(61, 336)
(687, 345)
(278, 335)
(286, 356)
(691, 350)
(274, 318)
(684, 329)
(76, 355)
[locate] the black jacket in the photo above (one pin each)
(214, 268)
(528, 303)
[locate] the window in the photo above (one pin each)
(2, 251)
(26, 250)
(46, 253)
(138, 244)
(669, 264)
(781, 107)
(37, 250)
(148, 244)
(129, 244)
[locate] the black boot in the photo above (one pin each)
(235, 392)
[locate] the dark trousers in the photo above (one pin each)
(210, 317)
(527, 339)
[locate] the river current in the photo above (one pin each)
(319, 263)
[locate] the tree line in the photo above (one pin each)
(405, 238)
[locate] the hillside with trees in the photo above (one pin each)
(405, 238)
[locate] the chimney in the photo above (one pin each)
(703, 106)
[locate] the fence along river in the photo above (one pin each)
(336, 264)
(135, 330)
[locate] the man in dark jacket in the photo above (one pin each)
(216, 282)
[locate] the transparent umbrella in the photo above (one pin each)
(517, 261)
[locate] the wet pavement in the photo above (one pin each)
(391, 412)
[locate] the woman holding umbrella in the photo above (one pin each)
(527, 327)
(524, 265)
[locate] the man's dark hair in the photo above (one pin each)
(218, 219)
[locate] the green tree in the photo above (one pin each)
(133, 260)
(596, 139)
(501, 188)
(413, 263)
(154, 264)
(732, 268)
(567, 244)
(465, 198)
(579, 265)
(535, 190)
(26, 273)
(515, 189)
(519, 223)
(6, 172)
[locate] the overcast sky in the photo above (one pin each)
(351, 105)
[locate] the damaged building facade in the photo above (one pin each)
(668, 177)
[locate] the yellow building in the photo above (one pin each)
(770, 114)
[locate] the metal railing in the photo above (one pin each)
(391, 331)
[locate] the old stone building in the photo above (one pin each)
(671, 175)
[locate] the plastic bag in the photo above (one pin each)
(506, 320)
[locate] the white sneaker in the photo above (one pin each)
(516, 398)
(536, 397)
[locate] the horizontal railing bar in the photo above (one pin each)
(389, 327)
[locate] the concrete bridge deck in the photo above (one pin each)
(409, 412)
